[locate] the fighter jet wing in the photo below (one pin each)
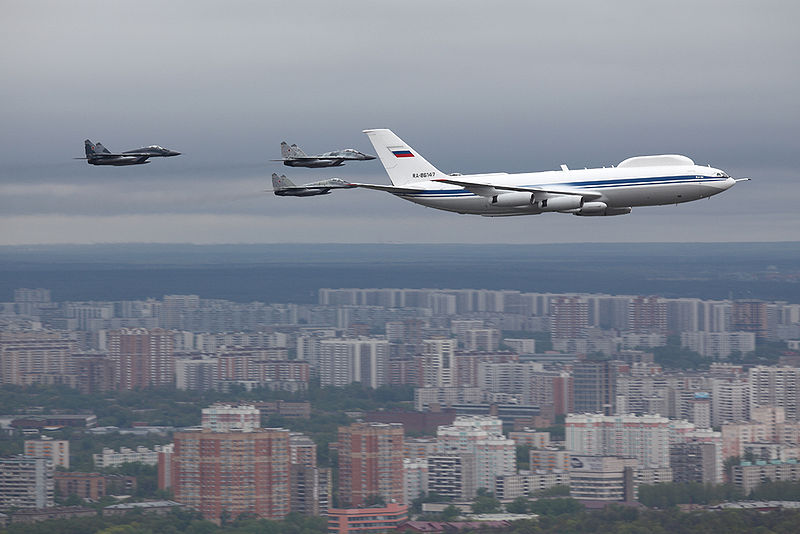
(120, 155)
(484, 189)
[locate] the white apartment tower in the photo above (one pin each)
(344, 361)
(481, 438)
(438, 363)
(775, 386)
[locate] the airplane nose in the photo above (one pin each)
(174, 153)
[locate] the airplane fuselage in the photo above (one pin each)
(618, 188)
(301, 192)
(315, 163)
(119, 161)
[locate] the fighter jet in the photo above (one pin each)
(285, 188)
(293, 156)
(97, 154)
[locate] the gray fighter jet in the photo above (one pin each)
(97, 154)
(293, 156)
(285, 188)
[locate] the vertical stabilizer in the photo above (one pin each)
(281, 182)
(403, 164)
(101, 149)
(296, 152)
(89, 147)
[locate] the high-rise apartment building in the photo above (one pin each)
(646, 437)
(142, 358)
(196, 373)
(647, 315)
(481, 441)
(27, 301)
(719, 345)
(570, 317)
(695, 462)
(775, 386)
(305, 488)
(55, 450)
(28, 358)
(593, 386)
(730, 400)
(94, 372)
(363, 359)
(26, 482)
(175, 308)
(437, 363)
(750, 316)
(370, 463)
(232, 473)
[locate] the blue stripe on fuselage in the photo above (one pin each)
(597, 184)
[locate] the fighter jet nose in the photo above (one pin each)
(173, 153)
(369, 157)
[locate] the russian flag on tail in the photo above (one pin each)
(401, 152)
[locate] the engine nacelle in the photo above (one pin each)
(516, 199)
(599, 209)
(561, 203)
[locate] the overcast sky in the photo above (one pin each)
(473, 86)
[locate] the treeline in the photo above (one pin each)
(611, 520)
(626, 520)
(183, 521)
(674, 493)
(175, 407)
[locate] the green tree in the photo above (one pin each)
(520, 505)
(485, 504)
(450, 513)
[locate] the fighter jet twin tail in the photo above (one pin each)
(637, 181)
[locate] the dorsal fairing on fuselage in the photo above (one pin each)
(661, 160)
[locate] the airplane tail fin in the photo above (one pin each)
(403, 164)
(98, 148)
(281, 182)
(90, 148)
(296, 152)
(285, 150)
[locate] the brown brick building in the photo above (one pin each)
(370, 463)
(233, 472)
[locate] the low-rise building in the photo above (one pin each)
(602, 478)
(749, 476)
(365, 520)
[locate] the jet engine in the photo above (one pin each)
(512, 200)
(561, 203)
(599, 209)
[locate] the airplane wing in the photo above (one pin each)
(484, 189)
(388, 188)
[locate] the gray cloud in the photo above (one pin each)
(512, 86)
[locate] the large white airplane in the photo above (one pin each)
(637, 181)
